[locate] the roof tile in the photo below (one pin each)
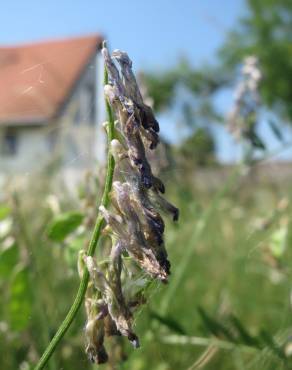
(36, 79)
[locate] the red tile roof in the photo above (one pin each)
(36, 79)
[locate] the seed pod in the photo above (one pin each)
(94, 329)
(115, 222)
(163, 204)
(113, 73)
(128, 90)
(111, 291)
(152, 222)
(136, 244)
(136, 150)
(144, 112)
(110, 327)
(94, 333)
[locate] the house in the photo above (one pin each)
(48, 104)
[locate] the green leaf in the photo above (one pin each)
(63, 225)
(278, 242)
(72, 250)
(8, 260)
(4, 211)
(215, 327)
(256, 141)
(243, 333)
(5, 227)
(20, 303)
(267, 338)
(276, 130)
(169, 322)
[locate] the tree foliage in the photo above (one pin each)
(198, 148)
(265, 31)
(199, 82)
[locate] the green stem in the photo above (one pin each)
(91, 248)
(206, 342)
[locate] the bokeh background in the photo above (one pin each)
(219, 76)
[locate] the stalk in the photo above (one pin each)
(91, 248)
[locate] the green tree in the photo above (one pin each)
(192, 91)
(265, 31)
(198, 148)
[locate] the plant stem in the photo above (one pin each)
(91, 248)
(206, 342)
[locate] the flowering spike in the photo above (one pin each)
(133, 223)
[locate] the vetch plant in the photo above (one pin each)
(129, 219)
(243, 118)
(246, 100)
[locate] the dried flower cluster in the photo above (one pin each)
(134, 224)
(242, 116)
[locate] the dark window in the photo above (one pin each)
(87, 104)
(77, 118)
(92, 104)
(51, 140)
(10, 143)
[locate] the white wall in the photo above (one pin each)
(31, 150)
(76, 135)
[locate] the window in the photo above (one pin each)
(10, 143)
(92, 104)
(76, 118)
(87, 104)
(51, 140)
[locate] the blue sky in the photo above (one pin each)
(155, 33)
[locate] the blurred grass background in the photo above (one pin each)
(237, 265)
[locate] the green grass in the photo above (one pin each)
(230, 270)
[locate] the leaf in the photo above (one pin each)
(4, 211)
(8, 260)
(256, 141)
(5, 227)
(63, 225)
(276, 130)
(72, 250)
(278, 242)
(267, 338)
(244, 335)
(169, 322)
(20, 303)
(215, 327)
